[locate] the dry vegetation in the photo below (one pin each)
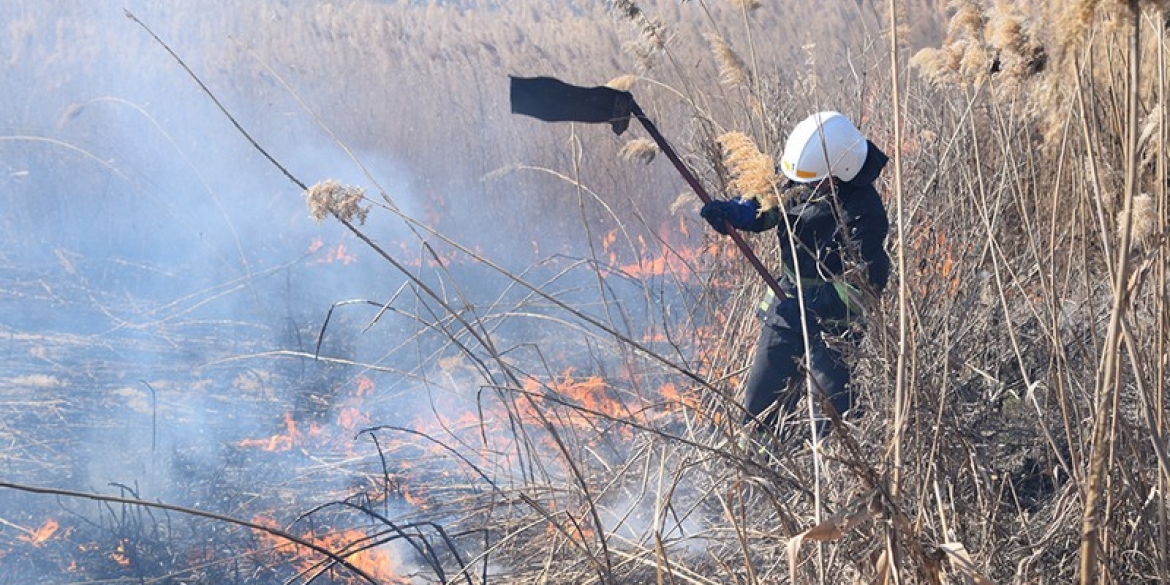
(1029, 310)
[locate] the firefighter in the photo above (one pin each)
(832, 226)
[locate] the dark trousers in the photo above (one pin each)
(779, 361)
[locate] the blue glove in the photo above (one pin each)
(739, 213)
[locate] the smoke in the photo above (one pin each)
(639, 517)
(154, 260)
(164, 290)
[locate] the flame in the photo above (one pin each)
(41, 535)
(661, 258)
(351, 418)
(119, 555)
(570, 528)
(410, 498)
(365, 387)
(279, 442)
(590, 393)
(377, 562)
(430, 258)
(467, 420)
(938, 275)
(676, 399)
(338, 254)
(331, 255)
(607, 247)
(669, 393)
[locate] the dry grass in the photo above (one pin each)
(1014, 173)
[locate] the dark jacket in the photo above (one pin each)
(836, 236)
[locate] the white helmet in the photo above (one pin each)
(841, 154)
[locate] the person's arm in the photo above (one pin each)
(742, 214)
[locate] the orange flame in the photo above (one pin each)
(365, 386)
(279, 442)
(339, 254)
(41, 535)
(589, 393)
(350, 418)
(430, 258)
(662, 258)
(377, 562)
(336, 254)
(119, 555)
(410, 498)
(676, 399)
(592, 395)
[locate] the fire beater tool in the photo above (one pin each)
(552, 100)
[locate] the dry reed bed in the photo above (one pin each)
(1014, 180)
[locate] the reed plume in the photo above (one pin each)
(1018, 55)
(732, 70)
(1149, 139)
(332, 198)
(1145, 219)
(640, 149)
(1072, 23)
(652, 33)
(753, 173)
(980, 43)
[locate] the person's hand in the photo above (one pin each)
(739, 213)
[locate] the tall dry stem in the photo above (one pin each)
(1104, 422)
(1160, 308)
(901, 394)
